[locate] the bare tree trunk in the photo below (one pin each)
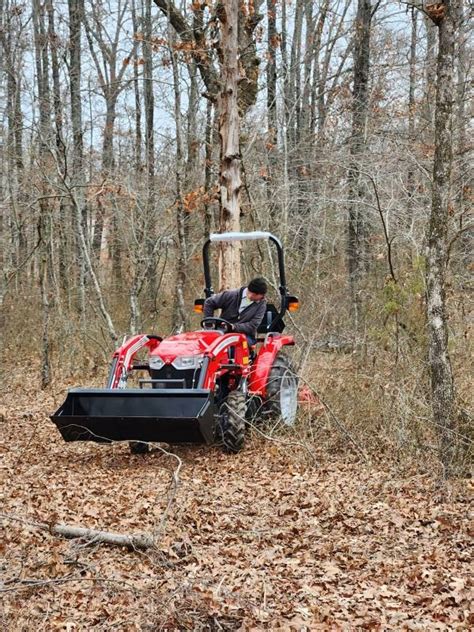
(411, 116)
(357, 225)
(209, 140)
(442, 386)
(42, 75)
(463, 165)
(45, 237)
(306, 139)
(90, 270)
(63, 226)
(272, 125)
(136, 92)
(311, 34)
(316, 88)
(293, 87)
(101, 245)
(11, 64)
(191, 169)
(430, 77)
(149, 103)
(230, 180)
(77, 179)
(180, 315)
(149, 108)
(192, 142)
(286, 106)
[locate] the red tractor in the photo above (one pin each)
(201, 385)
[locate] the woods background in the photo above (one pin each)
(111, 179)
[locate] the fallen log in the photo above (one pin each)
(131, 541)
(91, 536)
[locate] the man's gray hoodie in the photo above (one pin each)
(229, 302)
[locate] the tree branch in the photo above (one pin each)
(200, 54)
(132, 541)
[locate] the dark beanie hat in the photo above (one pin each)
(258, 286)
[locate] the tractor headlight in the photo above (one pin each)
(156, 363)
(188, 362)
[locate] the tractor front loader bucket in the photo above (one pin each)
(169, 415)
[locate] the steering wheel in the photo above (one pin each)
(211, 322)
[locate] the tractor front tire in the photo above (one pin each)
(282, 390)
(139, 447)
(232, 421)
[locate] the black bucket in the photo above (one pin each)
(169, 415)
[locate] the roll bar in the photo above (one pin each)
(237, 236)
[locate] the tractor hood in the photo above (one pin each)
(194, 343)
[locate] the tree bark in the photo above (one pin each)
(63, 226)
(293, 82)
(462, 163)
(208, 173)
(442, 384)
(180, 314)
(229, 129)
(411, 118)
(136, 91)
(430, 78)
(77, 179)
(44, 165)
(11, 65)
(357, 225)
(272, 124)
(149, 108)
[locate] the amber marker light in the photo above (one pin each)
(292, 304)
(199, 306)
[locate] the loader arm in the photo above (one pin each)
(122, 360)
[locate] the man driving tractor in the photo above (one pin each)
(243, 307)
(195, 392)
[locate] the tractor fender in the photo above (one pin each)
(264, 361)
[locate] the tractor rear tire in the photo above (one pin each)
(232, 421)
(282, 390)
(139, 447)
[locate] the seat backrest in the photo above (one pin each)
(269, 317)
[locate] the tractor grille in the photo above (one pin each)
(168, 372)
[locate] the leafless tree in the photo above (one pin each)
(357, 242)
(445, 16)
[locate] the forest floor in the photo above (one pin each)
(264, 540)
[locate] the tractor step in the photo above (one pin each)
(169, 415)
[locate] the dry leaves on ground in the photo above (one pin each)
(256, 541)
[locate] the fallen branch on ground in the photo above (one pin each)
(92, 536)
